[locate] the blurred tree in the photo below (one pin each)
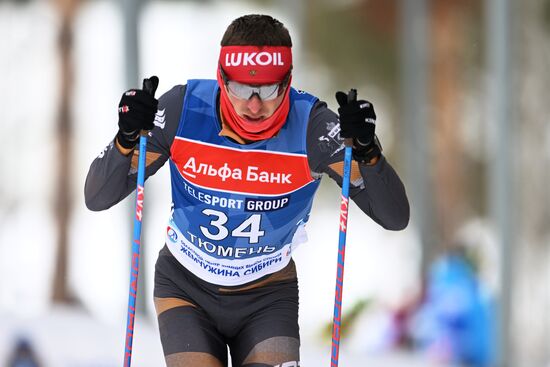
(450, 26)
(63, 203)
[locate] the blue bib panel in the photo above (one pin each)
(238, 210)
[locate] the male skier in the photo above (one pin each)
(246, 152)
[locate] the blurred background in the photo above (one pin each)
(461, 92)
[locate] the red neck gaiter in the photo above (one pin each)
(254, 65)
(253, 131)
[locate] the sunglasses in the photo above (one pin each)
(266, 92)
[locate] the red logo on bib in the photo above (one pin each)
(243, 171)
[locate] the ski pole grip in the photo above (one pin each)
(150, 86)
(352, 96)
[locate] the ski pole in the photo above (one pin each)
(149, 85)
(344, 206)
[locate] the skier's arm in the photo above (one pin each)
(376, 189)
(112, 175)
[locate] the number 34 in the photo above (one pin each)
(250, 227)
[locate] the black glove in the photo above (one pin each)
(358, 122)
(136, 112)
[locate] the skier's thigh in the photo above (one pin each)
(270, 337)
(188, 336)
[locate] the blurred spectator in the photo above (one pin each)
(23, 355)
(454, 323)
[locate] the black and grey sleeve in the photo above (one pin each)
(112, 175)
(376, 189)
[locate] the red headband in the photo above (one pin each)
(256, 64)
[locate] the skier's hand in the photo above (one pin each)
(358, 121)
(136, 112)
